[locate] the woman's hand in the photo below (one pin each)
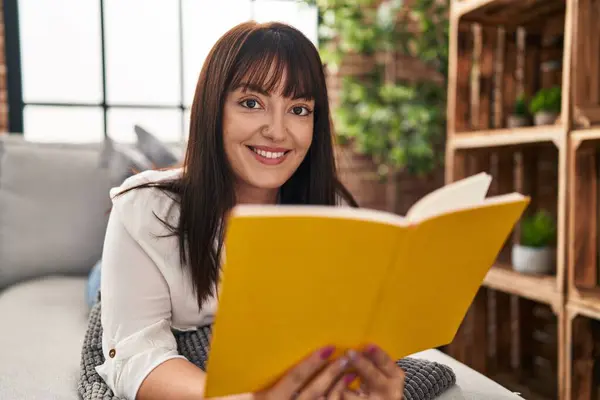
(381, 378)
(318, 377)
(312, 378)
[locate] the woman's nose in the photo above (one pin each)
(275, 129)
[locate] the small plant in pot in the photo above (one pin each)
(519, 116)
(536, 252)
(545, 105)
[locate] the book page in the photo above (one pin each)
(461, 194)
(316, 211)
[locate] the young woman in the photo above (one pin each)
(259, 133)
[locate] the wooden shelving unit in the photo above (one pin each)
(586, 64)
(583, 337)
(516, 328)
(583, 302)
(582, 347)
(505, 137)
(542, 289)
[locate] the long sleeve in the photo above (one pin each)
(136, 310)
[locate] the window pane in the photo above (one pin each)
(142, 52)
(164, 124)
(186, 123)
(298, 14)
(60, 51)
(63, 124)
(203, 25)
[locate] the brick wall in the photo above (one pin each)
(3, 91)
(358, 172)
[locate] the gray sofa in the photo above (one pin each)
(54, 208)
(53, 214)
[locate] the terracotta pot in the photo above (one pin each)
(545, 118)
(515, 121)
(533, 260)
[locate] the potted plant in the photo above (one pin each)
(536, 253)
(519, 116)
(545, 105)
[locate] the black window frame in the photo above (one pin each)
(16, 104)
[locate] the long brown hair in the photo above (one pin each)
(256, 55)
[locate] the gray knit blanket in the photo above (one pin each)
(425, 380)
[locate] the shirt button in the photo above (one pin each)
(112, 353)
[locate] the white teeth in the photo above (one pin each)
(268, 154)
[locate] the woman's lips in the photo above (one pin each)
(269, 155)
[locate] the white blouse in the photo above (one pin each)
(144, 289)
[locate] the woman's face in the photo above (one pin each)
(266, 136)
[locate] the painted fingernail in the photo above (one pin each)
(327, 352)
(352, 354)
(349, 378)
(343, 362)
(371, 349)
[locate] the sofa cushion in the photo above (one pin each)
(41, 336)
(122, 160)
(156, 151)
(54, 204)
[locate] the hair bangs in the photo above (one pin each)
(272, 62)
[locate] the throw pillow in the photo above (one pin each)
(122, 161)
(156, 151)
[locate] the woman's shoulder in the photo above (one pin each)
(139, 208)
(148, 176)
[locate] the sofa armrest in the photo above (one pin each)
(54, 203)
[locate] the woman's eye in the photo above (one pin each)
(250, 103)
(298, 110)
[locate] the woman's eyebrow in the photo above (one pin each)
(255, 88)
(245, 86)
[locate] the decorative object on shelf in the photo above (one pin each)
(536, 252)
(545, 105)
(519, 116)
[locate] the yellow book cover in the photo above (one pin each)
(296, 278)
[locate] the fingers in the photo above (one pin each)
(382, 361)
(300, 374)
(322, 383)
(338, 391)
(372, 377)
(349, 395)
(379, 373)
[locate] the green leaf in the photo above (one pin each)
(399, 124)
(538, 230)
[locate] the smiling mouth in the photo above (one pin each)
(269, 157)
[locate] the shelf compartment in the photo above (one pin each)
(509, 12)
(540, 288)
(586, 63)
(534, 171)
(514, 341)
(490, 65)
(582, 373)
(584, 246)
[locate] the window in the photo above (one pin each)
(82, 70)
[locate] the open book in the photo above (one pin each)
(296, 278)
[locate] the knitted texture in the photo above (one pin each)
(425, 379)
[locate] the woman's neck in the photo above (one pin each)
(252, 195)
